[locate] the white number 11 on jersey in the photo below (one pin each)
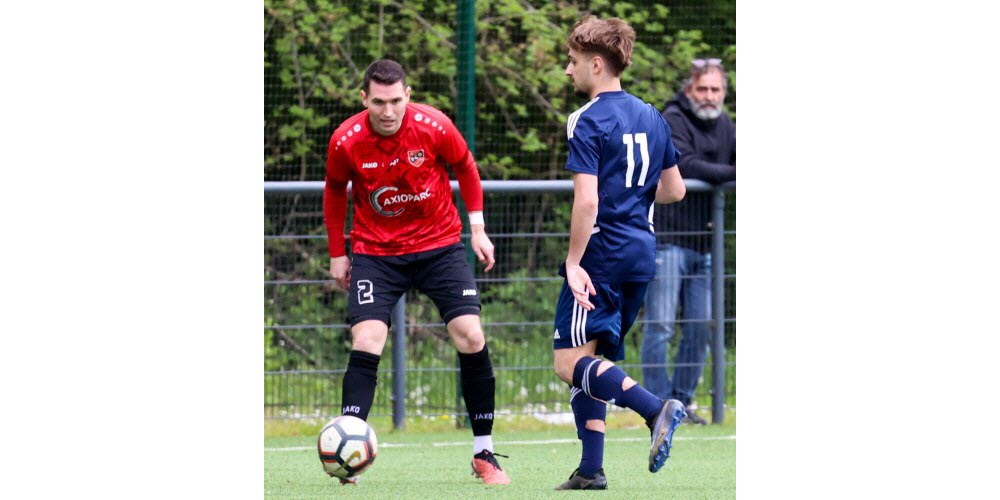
(639, 139)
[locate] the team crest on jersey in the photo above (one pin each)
(416, 157)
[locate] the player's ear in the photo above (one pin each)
(407, 92)
(596, 64)
(364, 98)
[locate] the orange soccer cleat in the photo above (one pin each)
(485, 467)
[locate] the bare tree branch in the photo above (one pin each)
(531, 10)
(527, 85)
(506, 116)
(283, 340)
(427, 25)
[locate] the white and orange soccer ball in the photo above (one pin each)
(347, 446)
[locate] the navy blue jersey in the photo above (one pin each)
(626, 144)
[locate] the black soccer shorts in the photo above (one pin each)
(443, 274)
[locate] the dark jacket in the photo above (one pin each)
(708, 153)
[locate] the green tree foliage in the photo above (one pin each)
(316, 52)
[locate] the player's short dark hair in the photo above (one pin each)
(612, 39)
(384, 71)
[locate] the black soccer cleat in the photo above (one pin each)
(578, 482)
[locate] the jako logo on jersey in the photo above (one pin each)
(351, 409)
(381, 205)
(369, 164)
(393, 162)
(416, 157)
(483, 416)
(468, 291)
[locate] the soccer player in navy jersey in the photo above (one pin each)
(622, 161)
(406, 233)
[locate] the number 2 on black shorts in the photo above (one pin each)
(365, 289)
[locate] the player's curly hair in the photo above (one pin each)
(612, 39)
(384, 71)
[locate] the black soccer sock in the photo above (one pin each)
(359, 384)
(478, 390)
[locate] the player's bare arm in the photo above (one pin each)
(481, 244)
(581, 225)
(340, 269)
(670, 188)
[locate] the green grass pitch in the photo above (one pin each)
(435, 464)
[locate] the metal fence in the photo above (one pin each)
(307, 342)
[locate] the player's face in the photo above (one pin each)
(578, 70)
(386, 106)
(706, 95)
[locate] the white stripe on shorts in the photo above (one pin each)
(579, 325)
(572, 326)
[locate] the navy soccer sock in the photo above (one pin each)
(478, 390)
(608, 387)
(359, 384)
(587, 408)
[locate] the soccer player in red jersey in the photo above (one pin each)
(406, 233)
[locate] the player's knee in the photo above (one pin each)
(367, 343)
(470, 341)
(603, 367)
(369, 336)
(467, 333)
(595, 425)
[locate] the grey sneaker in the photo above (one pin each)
(578, 482)
(693, 417)
(667, 421)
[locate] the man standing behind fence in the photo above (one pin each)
(622, 161)
(407, 233)
(706, 139)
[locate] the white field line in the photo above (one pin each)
(505, 443)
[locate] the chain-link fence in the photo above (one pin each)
(514, 114)
(307, 343)
(316, 54)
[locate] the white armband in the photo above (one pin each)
(476, 218)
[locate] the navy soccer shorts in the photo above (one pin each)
(443, 274)
(616, 307)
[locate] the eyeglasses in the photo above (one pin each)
(701, 63)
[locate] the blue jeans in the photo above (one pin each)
(685, 276)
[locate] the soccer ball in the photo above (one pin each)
(347, 446)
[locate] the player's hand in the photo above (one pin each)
(581, 286)
(340, 269)
(482, 246)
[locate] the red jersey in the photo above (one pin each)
(400, 187)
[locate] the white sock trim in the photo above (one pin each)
(480, 443)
